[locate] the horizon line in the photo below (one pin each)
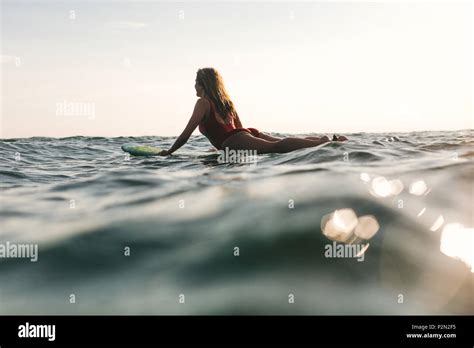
(196, 135)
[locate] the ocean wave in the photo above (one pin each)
(182, 217)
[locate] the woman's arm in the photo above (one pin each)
(200, 110)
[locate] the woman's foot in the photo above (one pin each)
(324, 139)
(339, 138)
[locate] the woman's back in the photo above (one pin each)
(214, 127)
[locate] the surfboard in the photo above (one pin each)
(141, 150)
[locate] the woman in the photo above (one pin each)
(218, 120)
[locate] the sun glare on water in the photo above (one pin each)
(458, 242)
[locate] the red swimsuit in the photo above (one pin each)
(218, 132)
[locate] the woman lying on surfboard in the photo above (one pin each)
(218, 120)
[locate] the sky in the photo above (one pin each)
(128, 68)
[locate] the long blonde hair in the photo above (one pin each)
(213, 84)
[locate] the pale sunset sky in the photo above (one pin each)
(308, 67)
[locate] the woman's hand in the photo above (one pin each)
(164, 153)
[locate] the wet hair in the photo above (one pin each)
(213, 84)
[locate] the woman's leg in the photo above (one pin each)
(291, 144)
(273, 139)
(256, 133)
(336, 138)
(267, 137)
(245, 141)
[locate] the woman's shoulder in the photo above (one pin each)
(204, 105)
(204, 100)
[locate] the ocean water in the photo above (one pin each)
(190, 235)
